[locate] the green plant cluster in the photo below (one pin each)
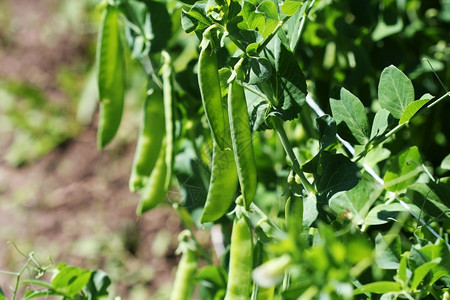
(308, 205)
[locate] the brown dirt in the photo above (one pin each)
(73, 204)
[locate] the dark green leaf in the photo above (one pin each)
(195, 19)
(403, 170)
(426, 197)
(215, 275)
(327, 131)
(395, 91)
(333, 173)
(351, 117)
(260, 70)
(97, 286)
(383, 213)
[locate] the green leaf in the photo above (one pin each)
(287, 85)
(195, 19)
(381, 122)
(212, 275)
(38, 282)
(402, 272)
(384, 213)
(333, 173)
(446, 163)
(327, 131)
(71, 280)
(375, 156)
(379, 287)
(383, 29)
(403, 170)
(428, 198)
(388, 255)
(111, 76)
(290, 7)
(411, 110)
(310, 212)
(260, 70)
(352, 204)
(395, 91)
(97, 286)
(422, 271)
(351, 117)
(269, 9)
(42, 294)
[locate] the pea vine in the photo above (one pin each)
(338, 214)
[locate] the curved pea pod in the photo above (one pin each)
(149, 143)
(242, 141)
(239, 284)
(111, 76)
(184, 279)
(222, 185)
(209, 83)
(154, 191)
(223, 181)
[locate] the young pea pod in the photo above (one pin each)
(184, 279)
(154, 191)
(223, 182)
(169, 117)
(239, 284)
(111, 76)
(241, 137)
(209, 83)
(149, 143)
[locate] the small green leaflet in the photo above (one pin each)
(351, 117)
(446, 163)
(395, 91)
(290, 7)
(379, 287)
(381, 122)
(403, 170)
(411, 110)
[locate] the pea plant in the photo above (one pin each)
(300, 204)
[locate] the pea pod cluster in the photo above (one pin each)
(111, 76)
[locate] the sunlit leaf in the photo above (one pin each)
(411, 110)
(403, 170)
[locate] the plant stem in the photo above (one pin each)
(278, 127)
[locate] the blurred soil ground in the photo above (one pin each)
(73, 205)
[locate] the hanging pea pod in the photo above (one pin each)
(169, 116)
(223, 182)
(209, 83)
(111, 76)
(239, 284)
(149, 142)
(184, 279)
(154, 191)
(241, 137)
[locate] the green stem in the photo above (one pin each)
(278, 127)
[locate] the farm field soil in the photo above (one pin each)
(73, 205)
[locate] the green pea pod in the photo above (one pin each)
(111, 76)
(209, 83)
(242, 141)
(169, 117)
(223, 181)
(149, 142)
(184, 279)
(154, 191)
(239, 284)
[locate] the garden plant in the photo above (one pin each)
(300, 204)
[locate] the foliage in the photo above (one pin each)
(350, 208)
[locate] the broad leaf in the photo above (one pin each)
(290, 7)
(384, 213)
(352, 204)
(446, 163)
(213, 275)
(422, 271)
(381, 122)
(388, 255)
(327, 131)
(195, 19)
(310, 212)
(411, 110)
(333, 173)
(97, 286)
(403, 170)
(395, 91)
(351, 117)
(260, 70)
(71, 280)
(426, 196)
